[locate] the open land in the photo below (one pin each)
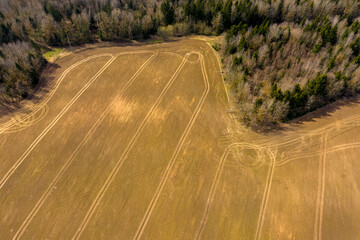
(136, 142)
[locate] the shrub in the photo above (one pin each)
(237, 61)
(216, 46)
(355, 46)
(165, 32)
(258, 103)
(231, 49)
(317, 86)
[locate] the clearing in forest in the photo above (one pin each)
(135, 142)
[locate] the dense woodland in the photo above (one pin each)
(282, 58)
(285, 59)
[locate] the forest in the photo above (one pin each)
(281, 58)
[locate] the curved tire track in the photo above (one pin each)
(52, 124)
(46, 194)
(5, 126)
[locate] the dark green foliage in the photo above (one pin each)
(244, 78)
(331, 63)
(323, 26)
(298, 97)
(317, 86)
(218, 6)
(287, 96)
(256, 56)
(235, 29)
(216, 46)
(131, 4)
(317, 48)
(6, 34)
(54, 13)
(2, 73)
(237, 61)
(231, 49)
(276, 93)
(242, 44)
(226, 14)
(248, 13)
(355, 46)
(258, 103)
(168, 10)
(355, 26)
(339, 76)
(329, 34)
(357, 60)
(262, 29)
(297, 101)
(196, 10)
(106, 8)
(246, 71)
(279, 13)
(312, 26)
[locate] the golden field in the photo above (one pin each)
(136, 142)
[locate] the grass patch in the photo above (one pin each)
(52, 55)
(157, 41)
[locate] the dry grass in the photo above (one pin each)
(141, 154)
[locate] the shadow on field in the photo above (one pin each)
(46, 80)
(295, 124)
(326, 110)
(139, 43)
(35, 95)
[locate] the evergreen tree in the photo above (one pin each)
(168, 11)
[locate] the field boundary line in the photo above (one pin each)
(12, 122)
(170, 165)
(221, 75)
(118, 165)
(52, 124)
(89, 134)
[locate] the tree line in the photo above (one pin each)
(290, 59)
(282, 58)
(26, 24)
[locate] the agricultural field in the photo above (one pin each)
(137, 142)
